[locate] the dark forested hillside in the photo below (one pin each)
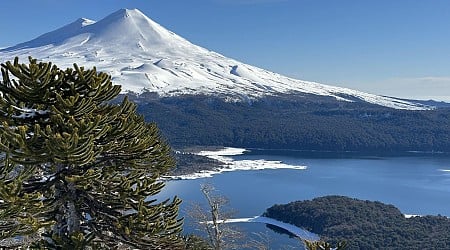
(296, 122)
(364, 224)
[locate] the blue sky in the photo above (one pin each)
(391, 47)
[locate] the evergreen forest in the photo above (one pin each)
(364, 224)
(302, 122)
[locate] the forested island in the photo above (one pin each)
(364, 224)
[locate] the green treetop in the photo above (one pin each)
(76, 171)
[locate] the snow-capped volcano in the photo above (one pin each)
(141, 55)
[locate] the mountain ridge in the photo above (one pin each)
(143, 56)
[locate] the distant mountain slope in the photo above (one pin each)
(143, 56)
(306, 122)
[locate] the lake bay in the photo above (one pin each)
(416, 183)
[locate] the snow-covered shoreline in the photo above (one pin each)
(229, 164)
(297, 231)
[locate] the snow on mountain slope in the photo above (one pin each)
(141, 56)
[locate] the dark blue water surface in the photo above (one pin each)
(415, 183)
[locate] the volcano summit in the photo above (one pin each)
(143, 56)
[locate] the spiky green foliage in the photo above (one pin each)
(75, 171)
(322, 245)
(194, 242)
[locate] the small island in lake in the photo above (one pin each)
(364, 224)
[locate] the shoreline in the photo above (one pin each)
(228, 164)
(368, 153)
(293, 229)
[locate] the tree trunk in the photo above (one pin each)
(73, 218)
(68, 218)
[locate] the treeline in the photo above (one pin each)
(305, 122)
(364, 224)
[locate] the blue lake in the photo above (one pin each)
(415, 183)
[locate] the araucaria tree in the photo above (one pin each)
(76, 171)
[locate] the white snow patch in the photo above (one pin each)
(28, 113)
(86, 22)
(225, 151)
(230, 165)
(297, 231)
(411, 215)
(246, 73)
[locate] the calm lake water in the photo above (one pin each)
(415, 183)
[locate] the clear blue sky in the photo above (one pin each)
(392, 47)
